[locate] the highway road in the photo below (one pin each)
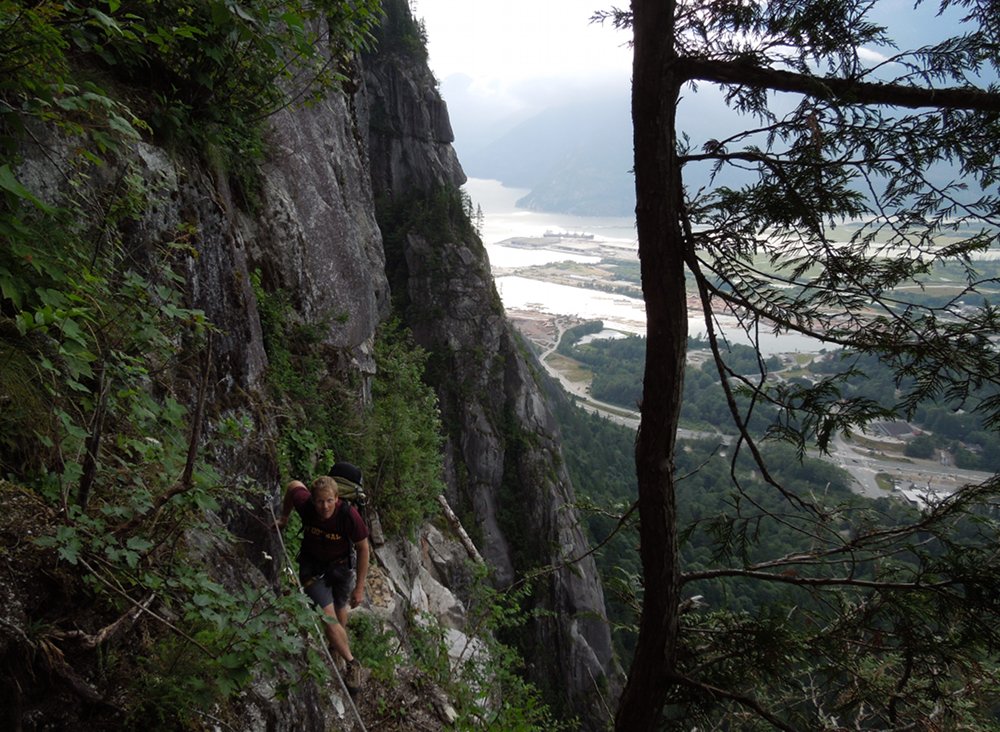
(862, 462)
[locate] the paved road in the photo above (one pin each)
(620, 415)
(863, 463)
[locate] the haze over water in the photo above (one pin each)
(504, 220)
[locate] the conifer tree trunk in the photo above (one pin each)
(655, 89)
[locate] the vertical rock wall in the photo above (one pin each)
(505, 472)
(317, 236)
(312, 234)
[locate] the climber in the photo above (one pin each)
(330, 528)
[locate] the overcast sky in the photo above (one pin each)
(502, 61)
(518, 51)
(501, 45)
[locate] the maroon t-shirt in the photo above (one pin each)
(329, 540)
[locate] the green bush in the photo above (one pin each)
(377, 649)
(406, 471)
(487, 687)
(101, 354)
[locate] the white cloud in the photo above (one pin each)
(872, 57)
(500, 44)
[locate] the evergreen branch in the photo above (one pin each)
(836, 89)
(741, 423)
(740, 699)
(553, 568)
(795, 579)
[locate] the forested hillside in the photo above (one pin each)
(949, 425)
(599, 455)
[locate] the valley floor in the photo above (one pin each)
(877, 464)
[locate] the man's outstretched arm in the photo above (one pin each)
(286, 503)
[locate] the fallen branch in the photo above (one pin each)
(142, 608)
(90, 641)
(457, 527)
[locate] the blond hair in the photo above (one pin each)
(325, 483)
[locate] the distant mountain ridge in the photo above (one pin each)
(591, 181)
(575, 158)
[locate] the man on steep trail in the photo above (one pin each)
(331, 527)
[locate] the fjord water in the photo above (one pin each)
(503, 220)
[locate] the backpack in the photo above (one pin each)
(348, 479)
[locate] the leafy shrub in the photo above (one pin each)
(377, 649)
(396, 441)
(405, 434)
(486, 685)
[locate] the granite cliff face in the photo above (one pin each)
(321, 232)
(505, 471)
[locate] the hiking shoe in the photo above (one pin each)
(338, 661)
(352, 676)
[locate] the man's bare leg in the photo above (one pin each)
(352, 674)
(336, 634)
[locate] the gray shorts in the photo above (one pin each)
(326, 585)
